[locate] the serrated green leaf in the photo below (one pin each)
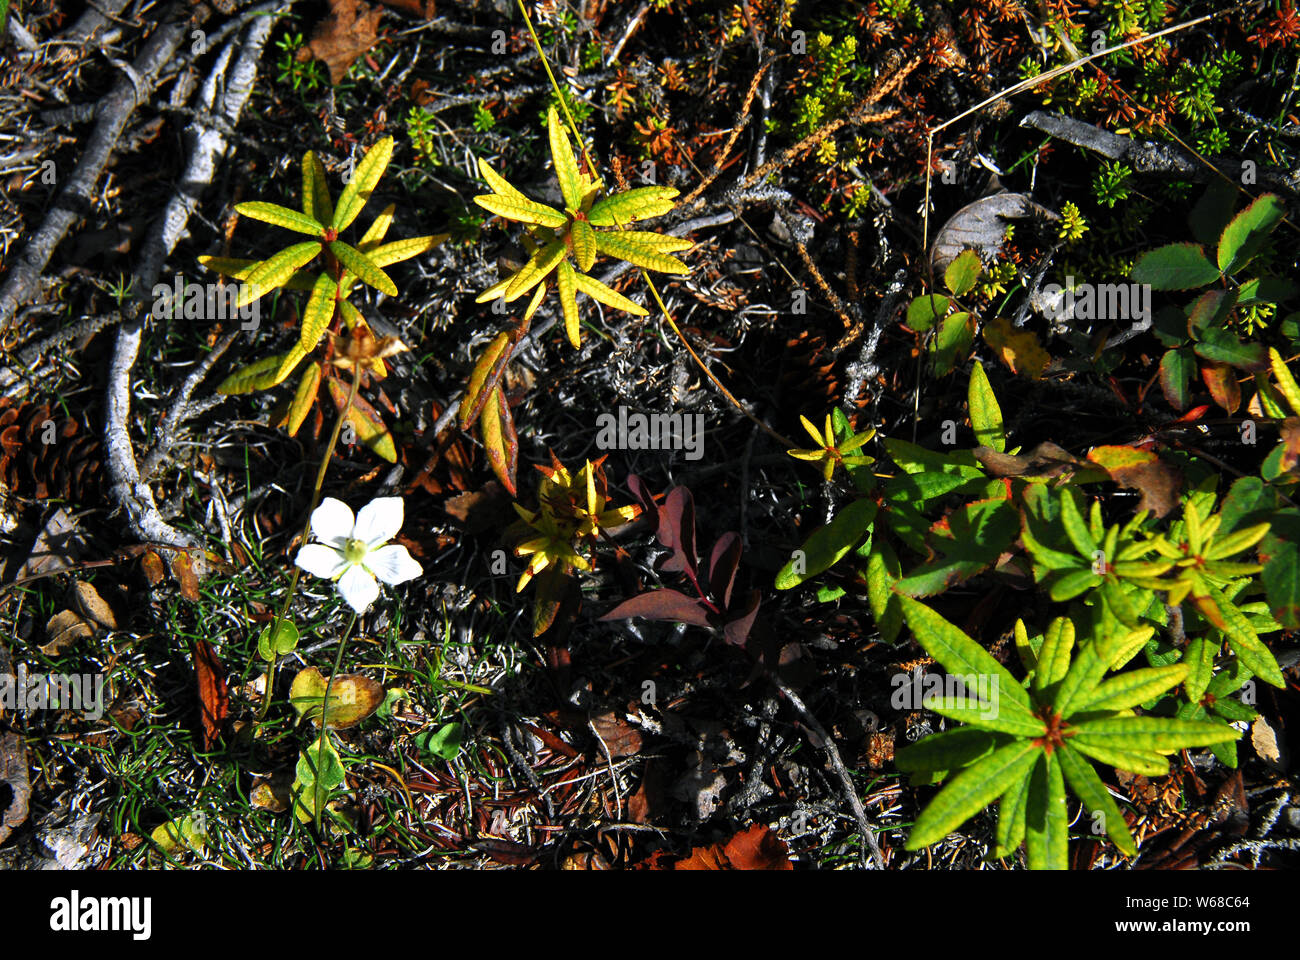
(610, 298)
(971, 791)
(522, 210)
(316, 202)
(962, 273)
(828, 544)
(959, 654)
(274, 271)
(1047, 824)
(357, 192)
(985, 414)
(1087, 786)
(583, 239)
(1248, 231)
(1175, 266)
(615, 244)
(280, 216)
(363, 267)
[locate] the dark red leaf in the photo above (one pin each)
(677, 532)
(722, 567)
(671, 605)
(214, 699)
(741, 620)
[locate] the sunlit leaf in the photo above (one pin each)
(280, 216)
(358, 190)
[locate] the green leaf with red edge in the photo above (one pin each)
(1244, 237)
(1177, 367)
(499, 439)
(366, 422)
(1281, 578)
(1175, 266)
(971, 539)
(1224, 346)
(1221, 380)
(484, 378)
(1209, 311)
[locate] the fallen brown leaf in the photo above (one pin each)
(214, 699)
(345, 34)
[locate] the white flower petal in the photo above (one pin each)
(332, 522)
(379, 521)
(358, 588)
(393, 564)
(321, 561)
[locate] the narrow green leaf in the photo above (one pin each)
(399, 250)
(610, 298)
(567, 285)
(255, 376)
(883, 572)
(1086, 669)
(1074, 583)
(1011, 818)
(376, 231)
(303, 398)
(357, 192)
(986, 715)
(566, 165)
(1075, 528)
(280, 216)
(640, 203)
(1244, 641)
(1134, 687)
(316, 202)
(1152, 733)
(950, 750)
(959, 654)
(363, 267)
(985, 414)
(1087, 786)
(1134, 761)
(1199, 657)
(584, 244)
(274, 271)
(1285, 382)
(828, 544)
(521, 209)
(617, 245)
(971, 791)
(536, 269)
(1047, 823)
(319, 311)
(1054, 654)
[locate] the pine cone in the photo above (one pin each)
(43, 456)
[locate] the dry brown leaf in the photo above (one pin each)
(1291, 441)
(214, 699)
(1133, 469)
(154, 569)
(64, 629)
(346, 33)
(620, 738)
(183, 571)
(1018, 349)
(757, 847)
(92, 606)
(1044, 461)
(1265, 741)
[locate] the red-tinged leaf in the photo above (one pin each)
(677, 532)
(741, 619)
(1141, 470)
(756, 847)
(723, 563)
(484, 378)
(1176, 370)
(1221, 380)
(1194, 414)
(499, 439)
(366, 422)
(214, 699)
(641, 493)
(1177, 266)
(1290, 435)
(669, 605)
(553, 588)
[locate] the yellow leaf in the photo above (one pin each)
(358, 190)
(376, 231)
(1019, 350)
(535, 270)
(363, 267)
(564, 278)
(365, 421)
(318, 312)
(521, 209)
(280, 216)
(637, 204)
(303, 397)
(610, 298)
(276, 270)
(316, 201)
(616, 244)
(584, 245)
(484, 377)
(399, 250)
(566, 165)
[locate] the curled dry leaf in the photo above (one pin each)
(982, 226)
(64, 629)
(757, 847)
(214, 698)
(92, 606)
(353, 697)
(1157, 480)
(346, 33)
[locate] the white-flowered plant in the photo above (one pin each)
(353, 552)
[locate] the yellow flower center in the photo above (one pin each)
(354, 551)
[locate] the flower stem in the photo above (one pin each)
(315, 499)
(324, 712)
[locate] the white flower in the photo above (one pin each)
(353, 552)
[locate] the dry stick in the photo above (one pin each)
(77, 196)
(742, 120)
(181, 408)
(1031, 83)
(841, 771)
(128, 489)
